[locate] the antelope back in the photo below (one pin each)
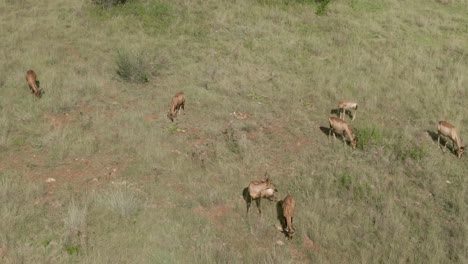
(338, 123)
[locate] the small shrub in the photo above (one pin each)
(131, 67)
(321, 7)
(249, 128)
(231, 141)
(349, 185)
(368, 137)
(109, 3)
(346, 181)
(410, 151)
(72, 250)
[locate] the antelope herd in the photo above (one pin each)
(265, 188)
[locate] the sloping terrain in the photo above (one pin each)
(94, 172)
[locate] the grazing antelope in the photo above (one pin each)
(341, 126)
(452, 133)
(258, 190)
(344, 105)
(32, 82)
(178, 101)
(288, 212)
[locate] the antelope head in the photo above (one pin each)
(170, 115)
(269, 191)
(354, 142)
(460, 151)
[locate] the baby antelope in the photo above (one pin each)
(288, 212)
(450, 132)
(178, 101)
(258, 190)
(341, 126)
(32, 82)
(344, 105)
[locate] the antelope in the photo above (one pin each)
(288, 212)
(450, 132)
(344, 105)
(339, 125)
(178, 101)
(32, 82)
(258, 190)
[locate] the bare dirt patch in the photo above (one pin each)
(151, 117)
(214, 214)
(58, 120)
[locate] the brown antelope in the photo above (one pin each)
(344, 105)
(288, 212)
(178, 101)
(32, 82)
(258, 190)
(341, 126)
(450, 132)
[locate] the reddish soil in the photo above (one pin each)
(214, 214)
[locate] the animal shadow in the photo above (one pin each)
(280, 216)
(336, 112)
(247, 198)
(433, 135)
(325, 130)
(41, 92)
(245, 194)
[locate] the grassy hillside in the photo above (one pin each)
(132, 187)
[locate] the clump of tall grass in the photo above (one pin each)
(75, 228)
(4, 130)
(120, 201)
(132, 67)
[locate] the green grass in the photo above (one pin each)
(132, 187)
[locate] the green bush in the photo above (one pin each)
(409, 150)
(349, 185)
(132, 67)
(321, 7)
(368, 137)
